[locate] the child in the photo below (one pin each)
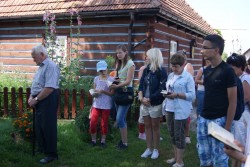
(102, 103)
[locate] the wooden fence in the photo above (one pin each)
(14, 102)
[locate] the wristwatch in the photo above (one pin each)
(37, 99)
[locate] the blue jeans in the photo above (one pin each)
(210, 150)
(200, 101)
(121, 114)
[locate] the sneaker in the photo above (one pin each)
(161, 138)
(93, 143)
(119, 144)
(188, 140)
(155, 154)
(178, 165)
(46, 160)
(170, 161)
(146, 153)
(142, 136)
(122, 147)
(103, 145)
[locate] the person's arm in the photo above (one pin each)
(246, 89)
(232, 101)
(190, 69)
(129, 78)
(109, 93)
(198, 78)
(140, 72)
(42, 95)
(236, 154)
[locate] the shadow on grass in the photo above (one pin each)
(74, 151)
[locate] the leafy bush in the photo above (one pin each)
(23, 125)
(13, 79)
(82, 122)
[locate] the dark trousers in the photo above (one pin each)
(46, 124)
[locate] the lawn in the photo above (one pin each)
(75, 152)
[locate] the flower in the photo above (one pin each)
(79, 20)
(46, 15)
(23, 124)
(72, 11)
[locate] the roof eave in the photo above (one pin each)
(109, 13)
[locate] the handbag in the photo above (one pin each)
(124, 96)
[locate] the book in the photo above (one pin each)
(109, 83)
(92, 92)
(223, 135)
(165, 92)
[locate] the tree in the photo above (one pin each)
(224, 56)
(218, 32)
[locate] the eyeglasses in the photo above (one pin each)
(207, 48)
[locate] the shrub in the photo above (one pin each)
(23, 125)
(82, 122)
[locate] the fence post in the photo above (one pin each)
(20, 101)
(66, 104)
(82, 99)
(89, 99)
(27, 97)
(13, 101)
(73, 114)
(5, 101)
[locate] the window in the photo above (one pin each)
(57, 50)
(173, 47)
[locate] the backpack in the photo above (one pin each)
(240, 100)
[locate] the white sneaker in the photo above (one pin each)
(187, 140)
(178, 165)
(146, 153)
(155, 154)
(161, 138)
(142, 136)
(170, 161)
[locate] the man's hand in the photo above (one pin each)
(32, 102)
(234, 153)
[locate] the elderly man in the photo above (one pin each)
(44, 98)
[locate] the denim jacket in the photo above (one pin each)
(183, 84)
(157, 81)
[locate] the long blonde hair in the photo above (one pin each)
(156, 59)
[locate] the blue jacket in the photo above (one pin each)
(183, 84)
(157, 81)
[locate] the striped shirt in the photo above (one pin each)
(47, 76)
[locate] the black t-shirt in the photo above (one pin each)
(216, 82)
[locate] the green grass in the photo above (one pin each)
(74, 151)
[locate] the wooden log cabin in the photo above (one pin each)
(170, 25)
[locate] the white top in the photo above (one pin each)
(170, 88)
(245, 118)
(102, 101)
(245, 77)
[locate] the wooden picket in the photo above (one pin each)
(14, 102)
